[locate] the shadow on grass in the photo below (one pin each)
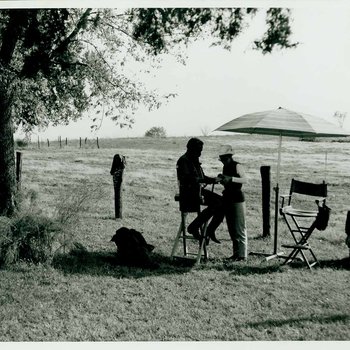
(244, 269)
(292, 321)
(336, 264)
(107, 264)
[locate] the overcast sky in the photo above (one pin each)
(217, 85)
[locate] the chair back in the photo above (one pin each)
(308, 188)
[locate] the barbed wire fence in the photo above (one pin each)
(61, 143)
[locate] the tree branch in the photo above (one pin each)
(62, 47)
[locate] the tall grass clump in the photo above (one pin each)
(71, 203)
(28, 235)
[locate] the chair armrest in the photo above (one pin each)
(284, 197)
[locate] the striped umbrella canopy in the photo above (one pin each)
(283, 122)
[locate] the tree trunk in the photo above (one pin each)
(7, 155)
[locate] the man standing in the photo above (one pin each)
(192, 181)
(233, 177)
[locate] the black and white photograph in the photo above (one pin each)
(174, 173)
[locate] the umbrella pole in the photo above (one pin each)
(277, 193)
(275, 254)
(276, 220)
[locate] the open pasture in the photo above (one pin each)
(87, 297)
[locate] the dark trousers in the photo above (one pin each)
(213, 210)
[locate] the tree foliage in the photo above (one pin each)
(62, 62)
(161, 29)
(56, 64)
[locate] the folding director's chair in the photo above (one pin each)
(202, 251)
(302, 222)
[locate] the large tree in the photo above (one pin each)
(57, 63)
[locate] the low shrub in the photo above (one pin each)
(156, 131)
(27, 237)
(21, 143)
(34, 237)
(308, 138)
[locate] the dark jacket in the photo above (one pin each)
(190, 176)
(233, 190)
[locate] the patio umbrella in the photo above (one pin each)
(282, 122)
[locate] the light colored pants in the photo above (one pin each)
(236, 224)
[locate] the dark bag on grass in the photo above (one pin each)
(132, 248)
(322, 217)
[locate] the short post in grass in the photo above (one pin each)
(347, 231)
(98, 146)
(79, 142)
(48, 143)
(18, 169)
(38, 142)
(266, 190)
(66, 141)
(117, 171)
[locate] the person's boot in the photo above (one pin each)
(194, 231)
(211, 235)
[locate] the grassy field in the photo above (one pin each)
(87, 297)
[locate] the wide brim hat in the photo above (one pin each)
(225, 150)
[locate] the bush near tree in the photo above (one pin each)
(156, 131)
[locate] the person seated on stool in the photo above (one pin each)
(232, 178)
(191, 180)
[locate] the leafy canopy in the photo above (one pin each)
(58, 63)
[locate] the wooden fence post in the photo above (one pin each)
(98, 146)
(48, 143)
(66, 141)
(60, 140)
(117, 170)
(266, 189)
(85, 140)
(347, 230)
(38, 142)
(18, 169)
(79, 142)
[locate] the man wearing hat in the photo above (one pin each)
(192, 181)
(232, 178)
